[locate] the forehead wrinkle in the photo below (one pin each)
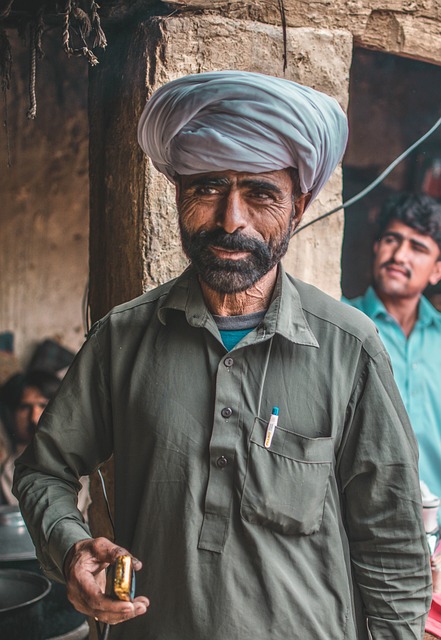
(260, 184)
(202, 181)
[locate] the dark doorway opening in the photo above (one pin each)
(393, 101)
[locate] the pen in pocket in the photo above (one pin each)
(272, 424)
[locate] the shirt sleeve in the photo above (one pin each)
(73, 438)
(378, 472)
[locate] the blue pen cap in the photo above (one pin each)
(275, 411)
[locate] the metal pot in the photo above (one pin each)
(21, 604)
(17, 552)
(15, 542)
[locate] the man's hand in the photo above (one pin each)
(85, 572)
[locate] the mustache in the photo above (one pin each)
(392, 263)
(230, 241)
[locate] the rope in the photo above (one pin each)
(78, 22)
(100, 36)
(6, 10)
(32, 111)
(5, 60)
(283, 20)
(36, 50)
(5, 82)
(85, 26)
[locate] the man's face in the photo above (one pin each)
(236, 226)
(405, 262)
(28, 413)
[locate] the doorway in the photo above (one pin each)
(393, 101)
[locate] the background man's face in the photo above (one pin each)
(236, 226)
(28, 413)
(405, 262)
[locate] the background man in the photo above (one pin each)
(313, 530)
(406, 260)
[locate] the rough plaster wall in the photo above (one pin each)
(315, 57)
(44, 204)
(388, 25)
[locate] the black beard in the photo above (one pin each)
(232, 276)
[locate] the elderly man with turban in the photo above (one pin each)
(265, 470)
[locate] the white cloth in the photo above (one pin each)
(242, 121)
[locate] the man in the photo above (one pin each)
(308, 529)
(407, 260)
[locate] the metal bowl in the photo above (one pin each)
(21, 604)
(15, 541)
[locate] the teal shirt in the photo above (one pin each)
(416, 362)
(231, 338)
(318, 536)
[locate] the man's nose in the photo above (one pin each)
(36, 412)
(401, 253)
(232, 213)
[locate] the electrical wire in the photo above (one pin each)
(106, 499)
(375, 183)
(104, 633)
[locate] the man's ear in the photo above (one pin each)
(300, 204)
(436, 273)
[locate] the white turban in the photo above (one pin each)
(241, 121)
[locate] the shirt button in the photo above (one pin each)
(228, 362)
(222, 462)
(227, 412)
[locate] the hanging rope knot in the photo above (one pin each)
(100, 36)
(85, 25)
(82, 23)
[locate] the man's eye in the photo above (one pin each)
(260, 195)
(206, 191)
(419, 248)
(389, 240)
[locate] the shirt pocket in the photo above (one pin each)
(285, 486)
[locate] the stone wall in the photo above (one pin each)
(44, 202)
(385, 25)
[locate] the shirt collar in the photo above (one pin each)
(374, 308)
(372, 305)
(284, 316)
(427, 314)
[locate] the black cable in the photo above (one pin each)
(104, 634)
(373, 184)
(106, 500)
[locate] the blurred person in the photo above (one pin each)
(24, 397)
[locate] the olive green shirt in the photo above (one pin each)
(319, 536)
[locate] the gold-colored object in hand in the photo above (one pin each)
(123, 583)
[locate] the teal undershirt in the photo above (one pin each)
(231, 337)
(233, 328)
